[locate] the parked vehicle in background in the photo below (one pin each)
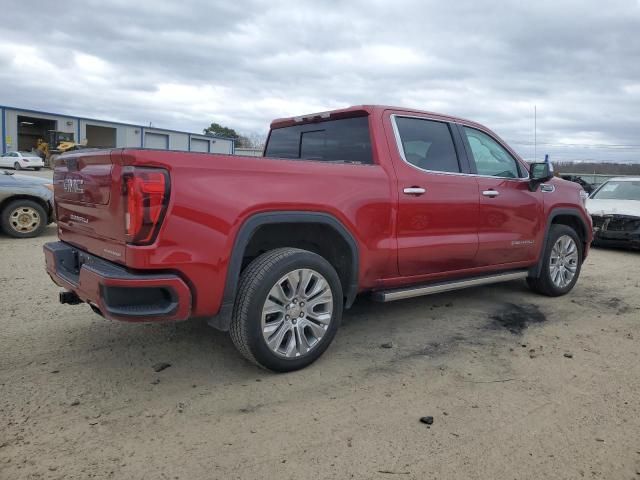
(615, 210)
(370, 199)
(26, 204)
(20, 160)
(586, 186)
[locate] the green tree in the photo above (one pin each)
(222, 131)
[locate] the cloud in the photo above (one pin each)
(183, 65)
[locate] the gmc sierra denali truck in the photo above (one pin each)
(390, 201)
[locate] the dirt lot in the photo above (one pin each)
(79, 397)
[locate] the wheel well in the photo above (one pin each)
(573, 222)
(38, 200)
(315, 237)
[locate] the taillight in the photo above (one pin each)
(146, 192)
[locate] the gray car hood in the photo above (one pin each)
(24, 179)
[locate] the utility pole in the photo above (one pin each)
(535, 133)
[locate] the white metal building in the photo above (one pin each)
(248, 152)
(21, 129)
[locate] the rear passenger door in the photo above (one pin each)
(438, 204)
(510, 214)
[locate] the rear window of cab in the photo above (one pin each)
(344, 140)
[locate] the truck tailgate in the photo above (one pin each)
(89, 209)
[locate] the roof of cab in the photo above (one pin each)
(356, 110)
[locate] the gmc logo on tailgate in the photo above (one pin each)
(73, 185)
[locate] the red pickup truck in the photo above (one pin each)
(390, 201)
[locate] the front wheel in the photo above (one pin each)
(17, 166)
(561, 263)
(287, 310)
(23, 219)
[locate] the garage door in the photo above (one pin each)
(199, 145)
(156, 140)
(101, 137)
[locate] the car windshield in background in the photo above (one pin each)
(29, 154)
(345, 140)
(613, 190)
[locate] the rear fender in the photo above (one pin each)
(222, 320)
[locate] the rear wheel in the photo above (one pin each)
(561, 263)
(23, 219)
(37, 169)
(17, 166)
(287, 310)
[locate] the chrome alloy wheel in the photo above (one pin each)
(563, 261)
(297, 313)
(24, 219)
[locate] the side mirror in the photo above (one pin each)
(539, 173)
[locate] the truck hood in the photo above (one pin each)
(613, 207)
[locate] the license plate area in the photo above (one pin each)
(70, 262)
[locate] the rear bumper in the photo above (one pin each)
(32, 164)
(115, 292)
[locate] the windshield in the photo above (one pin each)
(616, 190)
(29, 154)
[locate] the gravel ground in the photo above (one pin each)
(519, 387)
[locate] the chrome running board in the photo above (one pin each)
(420, 290)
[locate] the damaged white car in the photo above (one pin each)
(615, 210)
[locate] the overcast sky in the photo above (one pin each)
(182, 65)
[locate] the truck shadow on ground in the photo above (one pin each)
(422, 327)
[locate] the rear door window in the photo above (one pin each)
(427, 144)
(344, 140)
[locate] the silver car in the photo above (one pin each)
(26, 204)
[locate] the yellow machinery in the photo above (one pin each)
(43, 148)
(63, 142)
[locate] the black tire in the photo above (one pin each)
(17, 166)
(37, 169)
(7, 221)
(543, 283)
(255, 284)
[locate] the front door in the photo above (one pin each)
(438, 204)
(510, 213)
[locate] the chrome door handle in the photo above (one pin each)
(414, 191)
(491, 193)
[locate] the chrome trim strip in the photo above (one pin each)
(400, 294)
(401, 151)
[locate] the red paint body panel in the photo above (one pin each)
(450, 232)
(511, 224)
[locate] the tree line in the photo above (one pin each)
(602, 168)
